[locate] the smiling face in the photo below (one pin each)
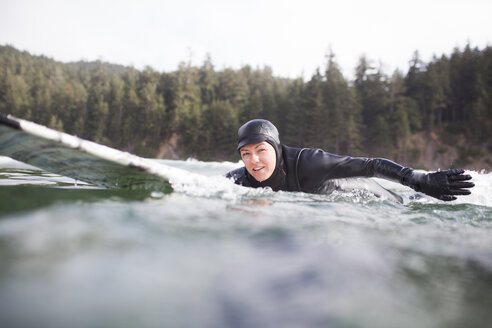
(259, 160)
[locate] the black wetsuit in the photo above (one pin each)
(312, 171)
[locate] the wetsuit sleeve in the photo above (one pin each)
(316, 167)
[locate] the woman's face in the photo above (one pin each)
(260, 160)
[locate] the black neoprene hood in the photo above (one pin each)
(256, 131)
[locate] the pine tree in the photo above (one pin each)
(373, 93)
(207, 81)
(97, 105)
(220, 141)
(295, 125)
(313, 108)
(188, 108)
(439, 91)
(16, 94)
(340, 114)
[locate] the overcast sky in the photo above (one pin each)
(292, 37)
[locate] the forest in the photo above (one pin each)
(196, 110)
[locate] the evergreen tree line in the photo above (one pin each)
(372, 115)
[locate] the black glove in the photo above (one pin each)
(444, 185)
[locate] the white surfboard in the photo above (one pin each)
(80, 159)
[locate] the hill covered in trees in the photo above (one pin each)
(197, 110)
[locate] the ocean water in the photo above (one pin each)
(210, 255)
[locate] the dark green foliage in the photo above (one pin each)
(373, 115)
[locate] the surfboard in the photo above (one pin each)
(80, 159)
